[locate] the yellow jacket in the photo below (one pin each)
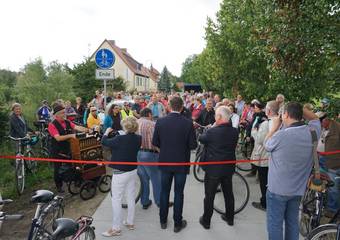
(125, 115)
(91, 121)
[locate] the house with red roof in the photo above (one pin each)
(136, 76)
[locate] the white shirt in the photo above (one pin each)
(235, 120)
(322, 140)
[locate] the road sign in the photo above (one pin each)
(105, 58)
(105, 74)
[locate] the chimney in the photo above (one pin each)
(124, 50)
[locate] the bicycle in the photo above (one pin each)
(240, 184)
(241, 195)
(6, 217)
(44, 136)
(20, 163)
(49, 209)
(48, 224)
(244, 150)
(197, 169)
(311, 208)
(331, 230)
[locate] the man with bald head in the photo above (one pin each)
(220, 142)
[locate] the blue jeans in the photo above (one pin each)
(282, 209)
(148, 173)
(333, 202)
(166, 180)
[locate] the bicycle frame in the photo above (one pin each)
(41, 211)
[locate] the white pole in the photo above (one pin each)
(105, 96)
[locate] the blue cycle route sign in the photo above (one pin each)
(105, 58)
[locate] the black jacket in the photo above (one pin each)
(175, 136)
(220, 143)
(18, 128)
(124, 149)
(186, 113)
(62, 147)
(205, 118)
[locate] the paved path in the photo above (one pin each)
(249, 224)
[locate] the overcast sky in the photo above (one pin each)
(161, 32)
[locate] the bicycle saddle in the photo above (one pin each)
(42, 196)
(64, 227)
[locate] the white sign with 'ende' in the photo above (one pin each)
(103, 74)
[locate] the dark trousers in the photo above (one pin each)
(210, 187)
(263, 177)
(166, 181)
(57, 178)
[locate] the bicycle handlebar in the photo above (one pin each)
(13, 217)
(18, 139)
(5, 201)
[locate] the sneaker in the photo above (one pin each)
(251, 174)
(258, 205)
(111, 233)
(164, 225)
(129, 226)
(60, 190)
(230, 222)
(147, 205)
(328, 213)
(179, 228)
(204, 225)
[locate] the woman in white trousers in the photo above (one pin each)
(124, 148)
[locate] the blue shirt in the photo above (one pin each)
(155, 112)
(291, 159)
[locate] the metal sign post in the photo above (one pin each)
(105, 96)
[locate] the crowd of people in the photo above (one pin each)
(161, 128)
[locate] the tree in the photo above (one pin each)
(85, 83)
(165, 80)
(260, 48)
(302, 47)
(37, 83)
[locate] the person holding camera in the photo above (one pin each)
(290, 165)
(124, 149)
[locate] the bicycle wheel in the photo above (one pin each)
(324, 232)
(104, 184)
(198, 170)
(53, 214)
(241, 153)
(74, 186)
(241, 195)
(87, 234)
(31, 165)
(310, 211)
(88, 190)
(20, 175)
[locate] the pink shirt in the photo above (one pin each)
(54, 131)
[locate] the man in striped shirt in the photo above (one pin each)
(148, 153)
